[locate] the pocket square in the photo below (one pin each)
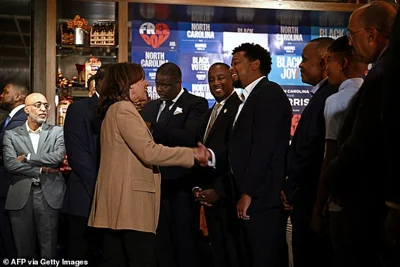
(178, 110)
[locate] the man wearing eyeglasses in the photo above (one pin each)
(356, 177)
(33, 153)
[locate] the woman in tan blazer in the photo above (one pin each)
(127, 194)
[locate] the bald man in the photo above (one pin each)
(33, 153)
(355, 179)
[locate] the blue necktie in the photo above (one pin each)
(7, 121)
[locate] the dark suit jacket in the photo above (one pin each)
(177, 130)
(217, 140)
(258, 145)
(306, 152)
(358, 170)
(18, 119)
(391, 94)
(82, 143)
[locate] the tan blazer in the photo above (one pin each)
(127, 194)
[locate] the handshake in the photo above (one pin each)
(202, 155)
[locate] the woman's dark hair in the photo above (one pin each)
(341, 45)
(116, 84)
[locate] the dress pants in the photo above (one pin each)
(222, 231)
(262, 239)
(84, 243)
(7, 247)
(310, 249)
(128, 248)
(36, 221)
(176, 231)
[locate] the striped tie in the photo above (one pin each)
(213, 117)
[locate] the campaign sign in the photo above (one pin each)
(299, 97)
(290, 33)
(152, 91)
(285, 70)
(332, 32)
(231, 40)
(151, 58)
(330, 19)
(200, 89)
(157, 35)
(199, 37)
(195, 66)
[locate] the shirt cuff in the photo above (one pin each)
(213, 161)
(28, 157)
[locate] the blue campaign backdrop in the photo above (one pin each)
(194, 37)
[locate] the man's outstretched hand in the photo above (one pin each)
(202, 154)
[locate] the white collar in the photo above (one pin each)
(15, 110)
(177, 97)
(224, 101)
(97, 94)
(249, 88)
(38, 130)
(316, 88)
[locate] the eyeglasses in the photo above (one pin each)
(350, 34)
(39, 105)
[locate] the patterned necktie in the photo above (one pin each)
(164, 112)
(242, 97)
(213, 117)
(7, 121)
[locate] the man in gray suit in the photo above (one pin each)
(33, 153)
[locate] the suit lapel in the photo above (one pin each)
(203, 127)
(249, 98)
(26, 138)
(220, 118)
(43, 136)
(180, 100)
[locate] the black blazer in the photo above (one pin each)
(217, 140)
(306, 152)
(82, 143)
(258, 145)
(177, 130)
(358, 170)
(17, 120)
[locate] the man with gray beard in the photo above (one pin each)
(33, 153)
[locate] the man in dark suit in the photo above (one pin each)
(173, 120)
(82, 143)
(305, 157)
(257, 148)
(214, 187)
(355, 177)
(12, 100)
(390, 117)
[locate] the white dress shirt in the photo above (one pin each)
(34, 136)
(173, 103)
(15, 110)
(222, 103)
(246, 93)
(316, 88)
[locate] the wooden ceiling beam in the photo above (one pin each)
(286, 5)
